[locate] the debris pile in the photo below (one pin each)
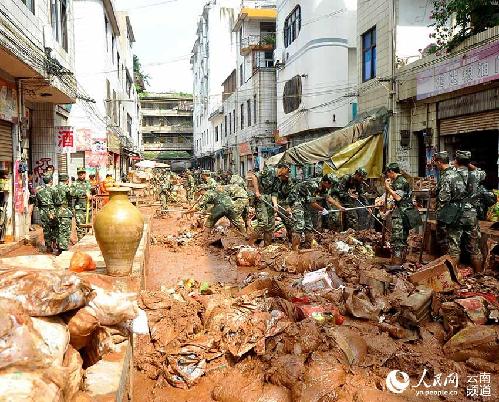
(173, 241)
(55, 326)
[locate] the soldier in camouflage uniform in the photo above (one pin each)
(283, 184)
(80, 193)
(165, 191)
(223, 206)
(327, 196)
(45, 204)
(263, 183)
(208, 182)
(351, 189)
(240, 201)
(398, 187)
(62, 202)
(450, 192)
(190, 186)
(469, 225)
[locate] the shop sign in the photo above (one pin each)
(97, 156)
(278, 139)
(474, 67)
(83, 139)
(245, 149)
(65, 142)
(8, 102)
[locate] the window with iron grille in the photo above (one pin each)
(292, 26)
(369, 55)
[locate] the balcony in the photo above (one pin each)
(264, 42)
(158, 146)
(165, 112)
(167, 129)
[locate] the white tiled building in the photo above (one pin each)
(36, 86)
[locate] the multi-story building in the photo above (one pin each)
(244, 125)
(105, 119)
(213, 58)
(316, 66)
(167, 130)
(37, 87)
(444, 100)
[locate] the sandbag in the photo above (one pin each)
(29, 386)
(21, 345)
(73, 362)
(55, 338)
(81, 326)
(103, 369)
(81, 262)
(112, 308)
(43, 293)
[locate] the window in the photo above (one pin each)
(106, 24)
(254, 108)
(292, 26)
(30, 4)
(292, 94)
(129, 124)
(369, 55)
(118, 63)
(113, 44)
(115, 109)
(225, 126)
(242, 116)
(128, 83)
(108, 100)
(249, 112)
(241, 74)
(230, 123)
(59, 21)
(234, 117)
(216, 134)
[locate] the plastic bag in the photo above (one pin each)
(112, 308)
(55, 338)
(21, 345)
(43, 293)
(81, 326)
(81, 262)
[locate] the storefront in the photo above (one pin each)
(6, 158)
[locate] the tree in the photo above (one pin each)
(141, 79)
(456, 20)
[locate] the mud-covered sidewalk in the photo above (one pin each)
(234, 323)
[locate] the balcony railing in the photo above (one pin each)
(264, 42)
(158, 146)
(179, 129)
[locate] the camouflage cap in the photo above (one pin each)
(63, 177)
(206, 172)
(361, 172)
(393, 166)
(463, 154)
(442, 155)
(282, 165)
(81, 170)
(329, 177)
(47, 178)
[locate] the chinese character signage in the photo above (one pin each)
(97, 156)
(472, 68)
(65, 140)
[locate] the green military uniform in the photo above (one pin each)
(264, 210)
(236, 179)
(62, 201)
(332, 220)
(80, 190)
(190, 187)
(45, 204)
(399, 217)
(299, 200)
(223, 206)
(240, 201)
(450, 192)
(165, 193)
(347, 185)
(281, 190)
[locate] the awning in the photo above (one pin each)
(366, 153)
(323, 148)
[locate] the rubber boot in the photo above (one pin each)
(267, 239)
(309, 238)
(295, 241)
(477, 263)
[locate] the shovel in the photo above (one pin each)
(382, 250)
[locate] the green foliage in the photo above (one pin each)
(456, 20)
(141, 79)
(166, 155)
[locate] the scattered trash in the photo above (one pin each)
(416, 308)
(439, 275)
(342, 247)
(475, 308)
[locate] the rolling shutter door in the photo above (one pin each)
(470, 123)
(5, 141)
(62, 163)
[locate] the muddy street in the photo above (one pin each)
(233, 323)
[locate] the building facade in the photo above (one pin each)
(167, 131)
(212, 61)
(436, 101)
(249, 118)
(106, 117)
(37, 88)
(316, 66)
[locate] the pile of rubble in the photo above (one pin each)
(173, 241)
(323, 324)
(56, 329)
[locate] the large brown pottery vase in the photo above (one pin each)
(118, 229)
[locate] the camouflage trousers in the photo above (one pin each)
(265, 214)
(190, 191)
(466, 232)
(400, 233)
(164, 198)
(220, 211)
(49, 225)
(81, 218)
(350, 218)
(64, 233)
(301, 218)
